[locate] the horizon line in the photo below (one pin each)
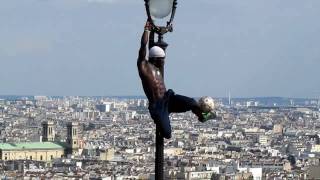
(143, 96)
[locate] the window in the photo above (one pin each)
(51, 157)
(74, 142)
(41, 158)
(30, 157)
(6, 158)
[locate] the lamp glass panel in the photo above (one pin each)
(160, 8)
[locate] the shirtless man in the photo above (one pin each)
(161, 101)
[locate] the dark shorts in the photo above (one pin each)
(159, 112)
(171, 103)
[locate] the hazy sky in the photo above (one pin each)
(89, 47)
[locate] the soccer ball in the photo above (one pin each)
(206, 104)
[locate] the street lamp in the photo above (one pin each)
(157, 10)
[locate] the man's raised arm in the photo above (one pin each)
(144, 42)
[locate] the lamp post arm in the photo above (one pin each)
(146, 3)
(169, 23)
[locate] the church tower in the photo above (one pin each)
(48, 131)
(72, 137)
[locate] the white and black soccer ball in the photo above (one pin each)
(206, 103)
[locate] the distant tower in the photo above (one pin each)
(48, 131)
(291, 102)
(229, 98)
(72, 137)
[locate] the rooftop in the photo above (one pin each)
(30, 145)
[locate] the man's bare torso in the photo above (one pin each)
(152, 81)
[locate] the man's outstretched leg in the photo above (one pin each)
(179, 103)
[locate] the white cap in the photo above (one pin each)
(156, 51)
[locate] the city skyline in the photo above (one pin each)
(252, 49)
(112, 138)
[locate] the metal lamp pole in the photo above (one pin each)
(159, 155)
